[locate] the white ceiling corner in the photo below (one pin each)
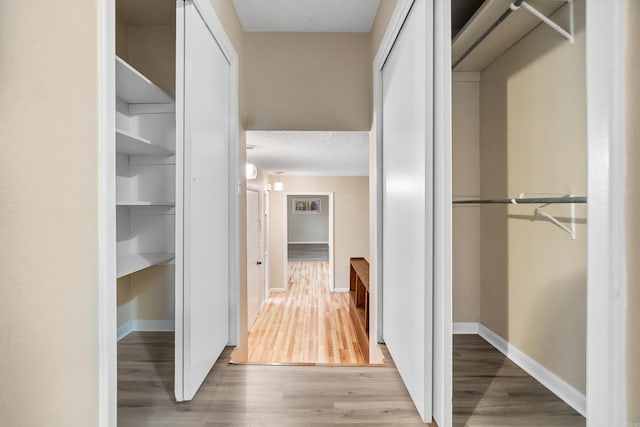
(303, 153)
(307, 15)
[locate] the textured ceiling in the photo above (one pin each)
(310, 153)
(307, 15)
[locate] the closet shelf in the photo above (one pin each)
(144, 203)
(127, 143)
(131, 263)
(134, 88)
(493, 29)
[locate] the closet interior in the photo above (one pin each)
(519, 202)
(145, 165)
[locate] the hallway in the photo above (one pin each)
(307, 324)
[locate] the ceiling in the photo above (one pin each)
(307, 15)
(310, 153)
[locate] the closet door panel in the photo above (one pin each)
(204, 299)
(408, 206)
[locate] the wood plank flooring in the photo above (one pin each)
(307, 324)
(491, 390)
(256, 395)
(488, 390)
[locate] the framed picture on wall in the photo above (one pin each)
(306, 206)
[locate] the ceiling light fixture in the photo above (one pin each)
(251, 171)
(278, 185)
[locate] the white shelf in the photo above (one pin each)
(134, 88)
(131, 263)
(143, 203)
(127, 143)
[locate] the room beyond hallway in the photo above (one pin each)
(307, 324)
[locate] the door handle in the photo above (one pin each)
(259, 263)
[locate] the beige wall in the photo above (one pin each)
(533, 139)
(466, 185)
(633, 207)
(380, 23)
(307, 81)
(351, 223)
(49, 211)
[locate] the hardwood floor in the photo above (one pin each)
(307, 324)
(488, 390)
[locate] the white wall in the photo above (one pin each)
(308, 228)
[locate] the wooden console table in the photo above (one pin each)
(359, 302)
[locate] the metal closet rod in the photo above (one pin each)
(526, 200)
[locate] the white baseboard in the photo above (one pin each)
(340, 289)
(124, 330)
(277, 290)
(554, 383)
(154, 325)
(145, 326)
(466, 328)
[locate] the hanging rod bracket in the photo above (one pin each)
(539, 210)
(564, 33)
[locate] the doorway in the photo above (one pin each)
(309, 230)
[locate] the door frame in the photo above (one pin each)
(263, 235)
(331, 236)
(106, 228)
(442, 197)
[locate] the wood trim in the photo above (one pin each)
(554, 383)
(606, 253)
(107, 318)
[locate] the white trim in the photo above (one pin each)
(554, 383)
(277, 290)
(125, 329)
(606, 253)
(145, 326)
(163, 325)
(465, 328)
(308, 243)
(442, 217)
(331, 234)
(341, 290)
(106, 312)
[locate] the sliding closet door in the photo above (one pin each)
(202, 262)
(407, 167)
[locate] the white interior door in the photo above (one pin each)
(407, 167)
(203, 204)
(255, 271)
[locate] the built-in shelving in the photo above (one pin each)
(143, 203)
(145, 135)
(134, 88)
(127, 143)
(131, 263)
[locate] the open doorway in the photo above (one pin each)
(309, 232)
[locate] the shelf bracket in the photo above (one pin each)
(539, 210)
(564, 33)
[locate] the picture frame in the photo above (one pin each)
(306, 206)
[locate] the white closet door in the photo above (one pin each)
(202, 270)
(255, 272)
(408, 205)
